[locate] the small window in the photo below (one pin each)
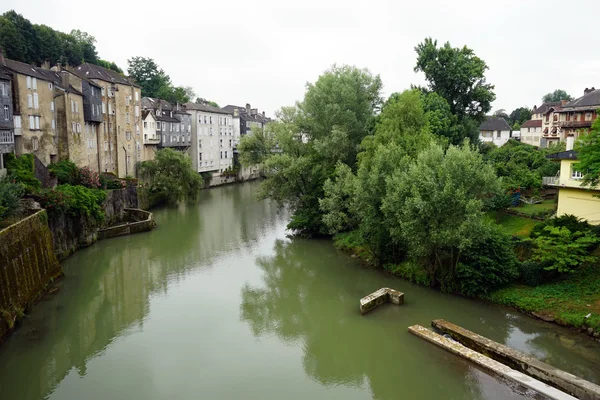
(3, 89)
(498, 134)
(50, 86)
(588, 116)
(576, 174)
(35, 143)
(53, 124)
(6, 113)
(17, 121)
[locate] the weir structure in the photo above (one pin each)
(380, 297)
(507, 362)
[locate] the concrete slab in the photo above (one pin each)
(489, 364)
(527, 364)
(380, 297)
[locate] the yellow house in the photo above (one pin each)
(573, 198)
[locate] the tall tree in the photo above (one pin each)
(201, 100)
(557, 95)
(151, 78)
(457, 75)
(519, 116)
(87, 43)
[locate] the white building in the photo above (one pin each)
(495, 130)
(151, 139)
(212, 138)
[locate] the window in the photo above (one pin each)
(127, 117)
(128, 135)
(588, 116)
(575, 117)
(109, 108)
(36, 103)
(31, 122)
(35, 143)
(164, 126)
(177, 127)
(103, 108)
(6, 113)
(220, 142)
(17, 121)
(145, 124)
(74, 127)
(53, 124)
(3, 89)
(528, 129)
(34, 83)
(205, 119)
(547, 117)
(555, 117)
(137, 96)
(498, 134)
(103, 92)
(76, 107)
(225, 153)
(210, 119)
(189, 127)
(127, 100)
(28, 82)
(221, 154)
(199, 156)
(229, 142)
(164, 139)
(29, 101)
(576, 174)
(78, 128)
(137, 110)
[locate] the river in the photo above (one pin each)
(218, 303)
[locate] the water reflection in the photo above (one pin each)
(307, 301)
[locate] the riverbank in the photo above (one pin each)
(573, 301)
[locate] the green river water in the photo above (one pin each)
(218, 303)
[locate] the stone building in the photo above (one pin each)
(7, 133)
(577, 116)
(172, 123)
(151, 138)
(212, 138)
(120, 134)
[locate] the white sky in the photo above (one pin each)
(264, 51)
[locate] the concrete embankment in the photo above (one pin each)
(529, 365)
(489, 364)
(27, 266)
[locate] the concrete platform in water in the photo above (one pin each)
(380, 297)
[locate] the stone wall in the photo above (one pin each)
(137, 221)
(70, 233)
(27, 265)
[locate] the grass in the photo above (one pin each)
(513, 225)
(546, 207)
(568, 301)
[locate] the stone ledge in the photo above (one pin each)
(380, 297)
(144, 222)
(527, 364)
(489, 364)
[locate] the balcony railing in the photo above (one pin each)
(7, 137)
(575, 124)
(550, 180)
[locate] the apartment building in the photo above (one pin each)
(120, 134)
(212, 138)
(7, 133)
(173, 123)
(577, 116)
(542, 126)
(151, 138)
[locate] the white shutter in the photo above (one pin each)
(34, 83)
(28, 82)
(76, 107)
(36, 103)
(31, 122)
(52, 106)
(53, 124)
(37, 122)
(103, 108)
(29, 101)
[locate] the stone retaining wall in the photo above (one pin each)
(143, 221)
(27, 266)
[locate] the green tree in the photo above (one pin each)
(437, 207)
(109, 65)
(558, 249)
(588, 155)
(87, 43)
(151, 78)
(256, 148)
(201, 100)
(29, 44)
(457, 75)
(170, 176)
(557, 95)
(313, 136)
(10, 193)
(519, 116)
(12, 43)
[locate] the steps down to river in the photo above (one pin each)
(524, 363)
(489, 364)
(380, 297)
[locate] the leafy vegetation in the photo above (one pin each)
(10, 193)
(155, 82)
(23, 41)
(557, 95)
(588, 155)
(21, 170)
(77, 201)
(170, 176)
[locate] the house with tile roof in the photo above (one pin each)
(495, 130)
(7, 132)
(577, 116)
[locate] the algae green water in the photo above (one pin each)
(218, 303)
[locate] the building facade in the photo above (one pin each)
(120, 134)
(151, 138)
(212, 138)
(531, 132)
(577, 116)
(7, 133)
(573, 198)
(495, 130)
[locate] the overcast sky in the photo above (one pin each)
(263, 52)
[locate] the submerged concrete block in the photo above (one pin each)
(489, 364)
(380, 297)
(527, 364)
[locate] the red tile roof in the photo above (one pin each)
(532, 123)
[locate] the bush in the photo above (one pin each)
(66, 172)
(22, 170)
(89, 178)
(571, 222)
(10, 193)
(488, 263)
(558, 249)
(73, 200)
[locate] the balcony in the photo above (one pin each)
(575, 124)
(550, 181)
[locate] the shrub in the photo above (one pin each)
(488, 263)
(571, 222)
(66, 172)
(89, 178)
(73, 200)
(558, 249)
(22, 170)
(10, 193)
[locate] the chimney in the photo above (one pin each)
(254, 111)
(563, 102)
(45, 65)
(586, 91)
(64, 76)
(236, 113)
(263, 114)
(570, 142)
(248, 108)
